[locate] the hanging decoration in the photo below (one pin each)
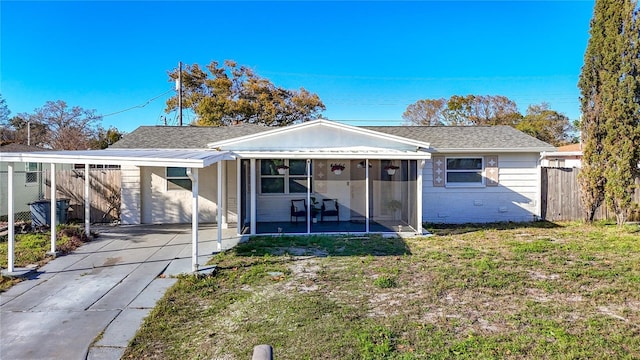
(337, 168)
(391, 169)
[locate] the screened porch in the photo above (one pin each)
(302, 196)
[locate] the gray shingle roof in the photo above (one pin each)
(185, 137)
(441, 138)
(13, 147)
(466, 137)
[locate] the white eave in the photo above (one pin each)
(357, 152)
(561, 153)
(490, 150)
(193, 158)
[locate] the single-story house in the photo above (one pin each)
(566, 156)
(442, 175)
(28, 184)
(318, 176)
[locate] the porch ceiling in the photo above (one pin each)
(138, 157)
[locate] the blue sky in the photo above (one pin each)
(366, 60)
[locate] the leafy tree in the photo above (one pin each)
(105, 138)
(463, 111)
(428, 112)
(6, 134)
(610, 102)
(4, 111)
(229, 93)
(546, 124)
(38, 136)
(58, 127)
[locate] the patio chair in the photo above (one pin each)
(298, 209)
(330, 208)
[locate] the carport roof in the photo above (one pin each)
(138, 157)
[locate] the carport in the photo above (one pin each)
(192, 160)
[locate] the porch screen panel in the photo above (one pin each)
(392, 199)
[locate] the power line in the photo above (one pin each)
(139, 106)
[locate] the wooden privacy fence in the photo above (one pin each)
(560, 196)
(104, 195)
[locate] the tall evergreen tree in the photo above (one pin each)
(610, 98)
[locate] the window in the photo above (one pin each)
(177, 179)
(292, 180)
(464, 171)
(31, 173)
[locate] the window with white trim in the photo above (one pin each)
(31, 173)
(283, 176)
(177, 179)
(464, 171)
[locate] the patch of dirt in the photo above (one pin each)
(300, 251)
(536, 275)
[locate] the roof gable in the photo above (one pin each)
(318, 134)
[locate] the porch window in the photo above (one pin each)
(291, 181)
(31, 173)
(177, 179)
(464, 171)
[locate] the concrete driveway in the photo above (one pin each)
(89, 304)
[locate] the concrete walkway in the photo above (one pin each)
(89, 304)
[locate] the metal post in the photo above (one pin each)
(366, 195)
(253, 195)
(54, 208)
(239, 190)
(87, 201)
(180, 93)
(11, 218)
(220, 208)
(193, 175)
(308, 197)
(419, 195)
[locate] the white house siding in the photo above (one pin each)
(130, 195)
(23, 192)
(514, 199)
(161, 206)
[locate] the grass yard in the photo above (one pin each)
(514, 291)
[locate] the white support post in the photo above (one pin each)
(11, 218)
(220, 208)
(193, 175)
(308, 196)
(54, 208)
(419, 196)
(224, 197)
(239, 190)
(366, 195)
(253, 195)
(87, 201)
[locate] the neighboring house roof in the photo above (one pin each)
(13, 147)
(441, 138)
(570, 148)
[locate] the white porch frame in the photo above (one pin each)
(191, 159)
(419, 158)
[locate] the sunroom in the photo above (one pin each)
(326, 177)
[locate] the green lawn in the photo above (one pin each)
(504, 291)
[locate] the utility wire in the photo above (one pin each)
(139, 106)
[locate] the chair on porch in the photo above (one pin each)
(330, 208)
(298, 209)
